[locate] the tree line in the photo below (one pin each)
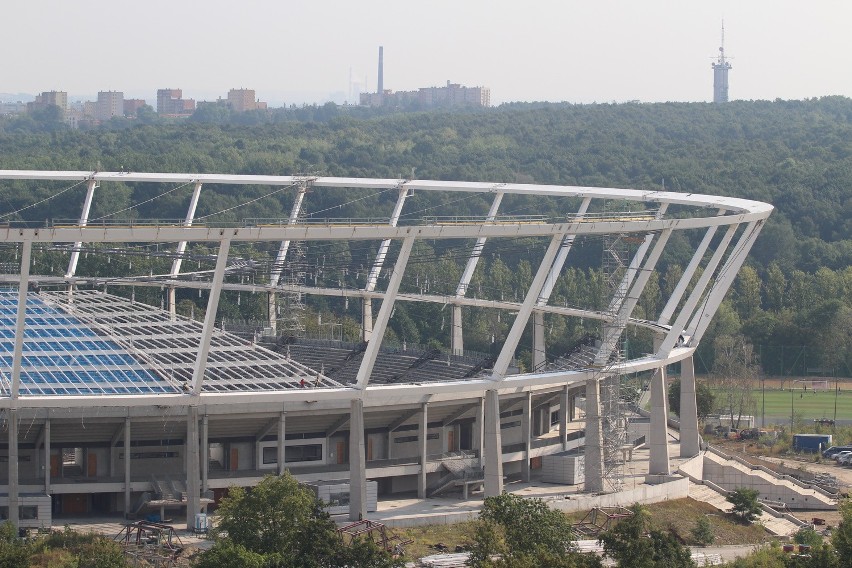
(795, 291)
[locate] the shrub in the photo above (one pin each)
(746, 506)
(702, 532)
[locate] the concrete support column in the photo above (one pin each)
(47, 456)
(272, 310)
(658, 434)
(14, 487)
(422, 442)
(526, 432)
(357, 462)
(689, 445)
(366, 319)
(493, 465)
(565, 401)
(282, 438)
(127, 467)
(479, 424)
(594, 459)
(205, 454)
(539, 355)
(192, 467)
(172, 302)
(457, 335)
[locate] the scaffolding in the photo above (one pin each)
(290, 306)
(614, 267)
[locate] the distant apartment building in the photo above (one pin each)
(109, 104)
(452, 95)
(455, 95)
(242, 100)
(47, 99)
(131, 106)
(8, 109)
(171, 102)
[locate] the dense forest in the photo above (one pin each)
(793, 300)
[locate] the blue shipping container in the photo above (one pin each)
(811, 442)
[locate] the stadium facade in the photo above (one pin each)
(115, 405)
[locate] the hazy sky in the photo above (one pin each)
(297, 51)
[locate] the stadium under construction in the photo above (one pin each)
(117, 403)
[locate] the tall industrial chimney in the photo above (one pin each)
(381, 88)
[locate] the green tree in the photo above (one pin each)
(705, 400)
(227, 554)
(776, 287)
(702, 532)
(524, 532)
(735, 369)
(841, 537)
(748, 292)
(633, 544)
(280, 523)
(746, 506)
(807, 535)
(14, 552)
(266, 518)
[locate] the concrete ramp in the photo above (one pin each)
(731, 473)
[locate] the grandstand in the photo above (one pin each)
(117, 405)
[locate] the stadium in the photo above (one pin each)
(126, 391)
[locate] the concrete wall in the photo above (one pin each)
(145, 466)
(42, 504)
(677, 489)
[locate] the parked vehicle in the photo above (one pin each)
(843, 457)
(839, 455)
(834, 450)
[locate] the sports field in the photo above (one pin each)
(808, 404)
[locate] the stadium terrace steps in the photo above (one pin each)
(336, 360)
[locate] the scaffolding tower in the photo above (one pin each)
(291, 304)
(614, 267)
(288, 276)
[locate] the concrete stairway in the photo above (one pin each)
(771, 486)
(775, 525)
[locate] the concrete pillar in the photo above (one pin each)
(526, 432)
(457, 335)
(479, 424)
(205, 455)
(192, 467)
(658, 434)
(272, 310)
(366, 319)
(172, 302)
(422, 442)
(13, 467)
(689, 445)
(493, 465)
(127, 504)
(282, 438)
(594, 460)
(47, 456)
(539, 356)
(564, 416)
(357, 462)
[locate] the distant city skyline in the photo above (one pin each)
(311, 52)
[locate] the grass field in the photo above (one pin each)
(806, 404)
